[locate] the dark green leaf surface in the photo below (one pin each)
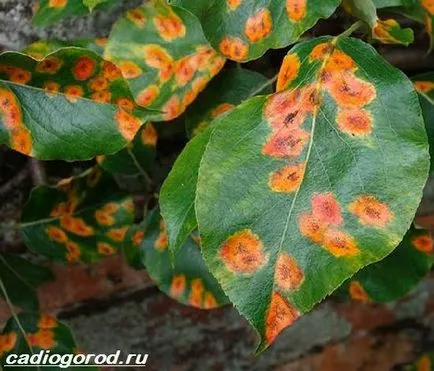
(392, 3)
(185, 278)
(224, 92)
(137, 158)
(299, 190)
(179, 192)
(21, 278)
(162, 52)
(72, 105)
(48, 12)
(81, 219)
(386, 31)
(243, 30)
(394, 276)
(42, 332)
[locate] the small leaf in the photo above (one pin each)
(42, 48)
(386, 31)
(424, 84)
(21, 278)
(224, 92)
(394, 276)
(137, 158)
(299, 190)
(48, 12)
(186, 278)
(71, 105)
(81, 219)
(162, 52)
(41, 332)
(243, 30)
(179, 192)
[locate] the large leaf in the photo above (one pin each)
(244, 30)
(48, 12)
(81, 219)
(299, 190)
(21, 278)
(29, 333)
(225, 92)
(178, 192)
(185, 278)
(386, 31)
(398, 273)
(137, 158)
(71, 105)
(163, 53)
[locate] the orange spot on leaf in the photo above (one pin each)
(149, 135)
(130, 70)
(209, 301)
(118, 234)
(56, 234)
(50, 65)
(326, 209)
(288, 71)
(233, 4)
(371, 212)
(423, 243)
(311, 227)
(84, 68)
(73, 92)
(47, 322)
(287, 179)
(279, 316)
(233, 48)
(296, 9)
(339, 243)
(356, 121)
(177, 286)
(105, 249)
(320, 52)
(169, 28)
(137, 16)
(77, 226)
(286, 143)
(172, 108)
(221, 109)
(357, 291)
(288, 275)
(196, 293)
(258, 26)
(128, 125)
(7, 342)
(243, 252)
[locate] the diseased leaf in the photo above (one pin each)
(40, 49)
(243, 30)
(42, 332)
(81, 219)
(394, 276)
(186, 278)
(386, 31)
(72, 105)
(21, 278)
(137, 158)
(424, 84)
(48, 12)
(299, 190)
(225, 92)
(162, 52)
(178, 192)
(423, 363)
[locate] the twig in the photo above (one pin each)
(15, 181)
(37, 170)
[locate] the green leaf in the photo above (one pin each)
(186, 278)
(21, 278)
(72, 105)
(392, 3)
(81, 219)
(48, 12)
(29, 333)
(225, 92)
(386, 31)
(299, 190)
(40, 49)
(162, 52)
(137, 158)
(243, 30)
(178, 192)
(424, 84)
(394, 276)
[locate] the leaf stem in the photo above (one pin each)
(142, 171)
(13, 313)
(263, 86)
(354, 27)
